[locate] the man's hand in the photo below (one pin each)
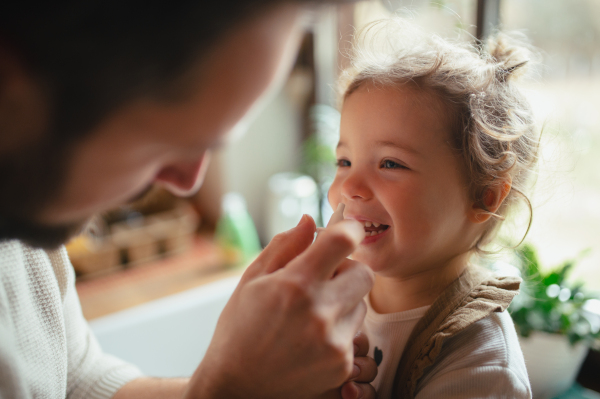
(288, 329)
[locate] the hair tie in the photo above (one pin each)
(503, 73)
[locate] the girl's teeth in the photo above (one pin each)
(375, 232)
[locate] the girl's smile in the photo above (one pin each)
(373, 230)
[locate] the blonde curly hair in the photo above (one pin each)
(493, 128)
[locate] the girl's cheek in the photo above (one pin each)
(333, 195)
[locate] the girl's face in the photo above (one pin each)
(399, 176)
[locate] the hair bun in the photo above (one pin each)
(509, 53)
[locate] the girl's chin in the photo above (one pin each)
(375, 264)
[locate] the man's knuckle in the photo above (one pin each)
(278, 240)
(364, 273)
(294, 294)
(320, 327)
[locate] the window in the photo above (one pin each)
(566, 100)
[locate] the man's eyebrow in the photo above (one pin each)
(385, 143)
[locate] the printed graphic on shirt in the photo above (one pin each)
(378, 356)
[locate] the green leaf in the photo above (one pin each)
(533, 310)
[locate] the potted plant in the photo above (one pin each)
(552, 319)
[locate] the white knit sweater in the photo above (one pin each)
(47, 349)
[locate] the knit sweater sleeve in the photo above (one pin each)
(483, 361)
(12, 383)
(91, 373)
(489, 382)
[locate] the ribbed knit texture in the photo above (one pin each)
(483, 361)
(47, 349)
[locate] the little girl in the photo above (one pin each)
(436, 144)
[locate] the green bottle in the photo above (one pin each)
(236, 234)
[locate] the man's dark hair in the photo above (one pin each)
(90, 57)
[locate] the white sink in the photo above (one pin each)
(167, 337)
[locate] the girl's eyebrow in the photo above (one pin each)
(393, 144)
(385, 143)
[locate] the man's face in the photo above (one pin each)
(149, 141)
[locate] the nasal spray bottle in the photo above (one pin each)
(337, 217)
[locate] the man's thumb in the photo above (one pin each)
(284, 247)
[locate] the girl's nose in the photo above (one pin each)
(183, 179)
(355, 186)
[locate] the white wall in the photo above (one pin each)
(270, 145)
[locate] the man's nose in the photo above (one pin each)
(184, 178)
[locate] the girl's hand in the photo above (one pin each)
(358, 386)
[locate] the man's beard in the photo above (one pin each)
(29, 179)
(38, 235)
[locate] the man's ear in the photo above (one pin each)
(493, 197)
(23, 106)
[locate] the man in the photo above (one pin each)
(99, 100)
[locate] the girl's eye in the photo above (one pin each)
(341, 163)
(388, 164)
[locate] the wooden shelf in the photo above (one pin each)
(130, 287)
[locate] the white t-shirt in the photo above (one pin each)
(483, 361)
(47, 349)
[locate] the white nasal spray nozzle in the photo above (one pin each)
(338, 215)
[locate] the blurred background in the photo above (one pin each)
(283, 165)
(564, 92)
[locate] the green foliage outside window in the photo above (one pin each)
(549, 302)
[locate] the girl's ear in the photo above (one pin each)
(492, 199)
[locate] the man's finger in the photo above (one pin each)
(349, 323)
(283, 248)
(351, 283)
(353, 390)
(330, 248)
